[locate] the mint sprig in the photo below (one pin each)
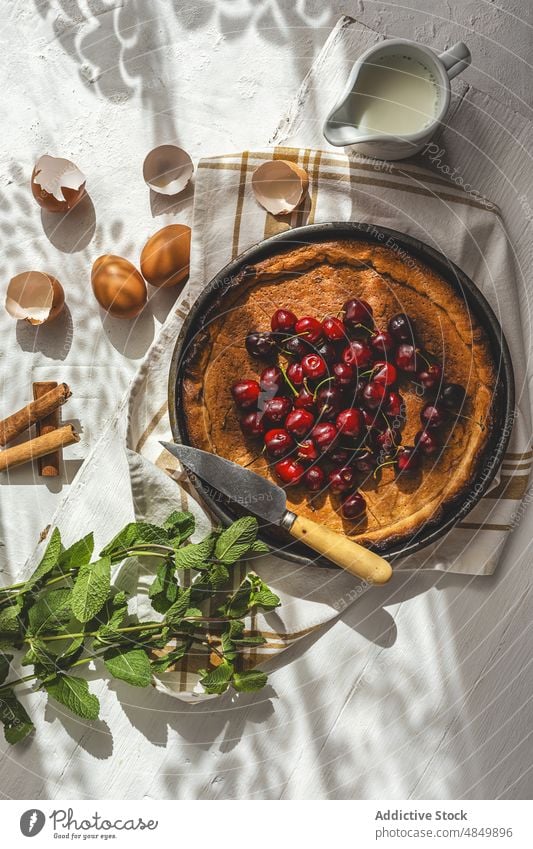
(69, 614)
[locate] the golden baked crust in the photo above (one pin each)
(316, 279)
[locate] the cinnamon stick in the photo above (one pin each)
(38, 447)
(49, 465)
(33, 412)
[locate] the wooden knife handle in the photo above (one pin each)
(339, 549)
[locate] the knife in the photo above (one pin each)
(267, 500)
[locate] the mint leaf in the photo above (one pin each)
(91, 589)
(265, 598)
(163, 663)
(195, 554)
(9, 619)
(259, 547)
(74, 694)
(135, 534)
(217, 680)
(39, 657)
(179, 526)
(49, 560)
(247, 682)
(78, 554)
(17, 724)
(175, 614)
(5, 665)
(236, 540)
(50, 613)
(164, 589)
(132, 666)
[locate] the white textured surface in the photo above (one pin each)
(426, 696)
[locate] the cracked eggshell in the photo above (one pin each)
(167, 169)
(34, 296)
(279, 186)
(165, 256)
(57, 184)
(118, 286)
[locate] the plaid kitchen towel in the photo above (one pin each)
(143, 480)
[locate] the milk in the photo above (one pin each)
(395, 94)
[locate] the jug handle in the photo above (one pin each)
(456, 59)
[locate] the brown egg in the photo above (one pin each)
(34, 296)
(118, 287)
(57, 184)
(165, 256)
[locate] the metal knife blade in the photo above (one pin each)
(251, 491)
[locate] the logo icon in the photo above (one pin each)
(32, 822)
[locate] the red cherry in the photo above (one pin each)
(324, 435)
(271, 380)
(393, 404)
(358, 312)
(430, 376)
(306, 451)
(329, 402)
(374, 395)
(299, 422)
(278, 442)
(382, 342)
(276, 409)
(295, 373)
(384, 440)
(327, 351)
(452, 396)
(314, 479)
(371, 419)
(384, 373)
(295, 346)
(245, 393)
(406, 358)
(342, 480)
(283, 321)
(343, 374)
(252, 424)
(314, 366)
(340, 456)
(334, 329)
(261, 345)
(408, 460)
(357, 354)
(432, 416)
(350, 422)
(401, 327)
(365, 462)
(289, 471)
(309, 327)
(427, 443)
(353, 506)
(305, 401)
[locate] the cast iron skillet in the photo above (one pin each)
(205, 308)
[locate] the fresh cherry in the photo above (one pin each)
(452, 396)
(433, 415)
(306, 451)
(365, 462)
(339, 456)
(384, 441)
(289, 471)
(305, 400)
(382, 342)
(299, 422)
(374, 395)
(314, 366)
(245, 393)
(408, 459)
(314, 479)
(372, 420)
(342, 480)
(271, 380)
(393, 404)
(309, 327)
(295, 373)
(296, 346)
(261, 345)
(407, 358)
(252, 424)
(276, 409)
(427, 443)
(324, 435)
(357, 354)
(329, 402)
(343, 374)
(278, 442)
(350, 422)
(357, 312)
(430, 376)
(353, 506)
(327, 351)
(401, 328)
(384, 373)
(334, 329)
(283, 321)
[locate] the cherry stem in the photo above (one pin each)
(322, 382)
(292, 387)
(382, 465)
(368, 329)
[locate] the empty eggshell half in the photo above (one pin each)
(57, 184)
(279, 186)
(167, 169)
(34, 296)
(165, 256)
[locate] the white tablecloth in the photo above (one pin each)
(361, 711)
